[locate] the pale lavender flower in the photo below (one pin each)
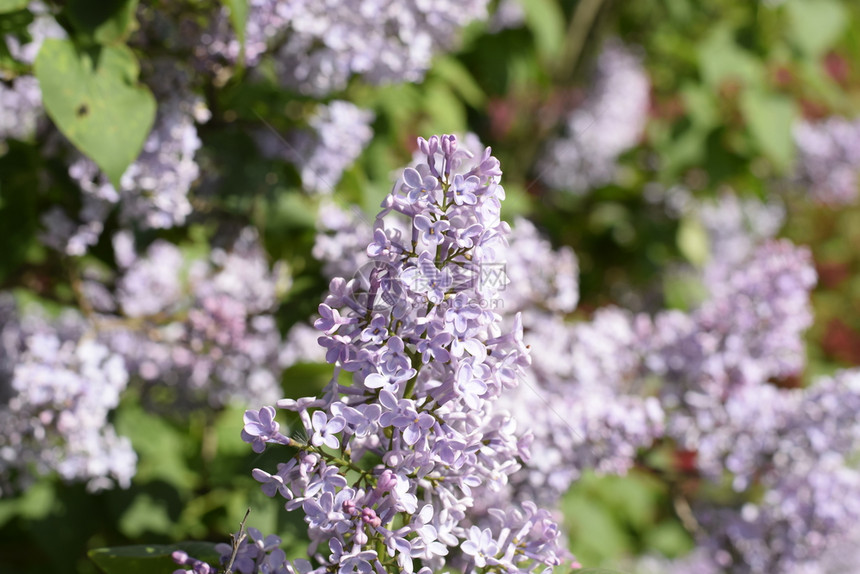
(606, 125)
(829, 159)
(56, 394)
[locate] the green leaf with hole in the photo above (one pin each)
(94, 99)
(814, 26)
(149, 558)
(770, 118)
(12, 5)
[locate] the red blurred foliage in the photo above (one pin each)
(685, 460)
(837, 67)
(841, 342)
(832, 273)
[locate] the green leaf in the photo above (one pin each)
(445, 112)
(145, 515)
(238, 17)
(159, 446)
(103, 21)
(770, 118)
(458, 77)
(13, 23)
(94, 99)
(693, 241)
(546, 21)
(701, 105)
(12, 5)
(720, 59)
(815, 25)
(149, 558)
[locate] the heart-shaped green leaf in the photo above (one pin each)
(95, 100)
(12, 5)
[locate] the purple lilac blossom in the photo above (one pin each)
(796, 447)
(207, 326)
(318, 46)
(606, 125)
(57, 387)
(20, 97)
(596, 417)
(829, 159)
(711, 360)
(749, 330)
(431, 422)
(735, 226)
(508, 14)
(20, 108)
(337, 134)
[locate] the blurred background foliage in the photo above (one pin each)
(729, 80)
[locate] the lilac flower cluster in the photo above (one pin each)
(58, 385)
(154, 189)
(785, 454)
(829, 159)
(796, 446)
(388, 468)
(20, 108)
(317, 46)
(596, 416)
(710, 369)
(201, 327)
(593, 424)
(21, 97)
(735, 227)
(256, 553)
(338, 133)
(749, 330)
(607, 124)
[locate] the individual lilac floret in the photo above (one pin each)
(419, 421)
(606, 125)
(829, 159)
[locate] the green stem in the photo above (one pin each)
(578, 31)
